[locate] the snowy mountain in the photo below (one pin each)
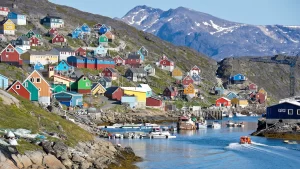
(215, 37)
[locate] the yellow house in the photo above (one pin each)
(58, 79)
(97, 88)
(177, 74)
(7, 27)
(236, 102)
(262, 91)
(138, 92)
(189, 90)
(44, 58)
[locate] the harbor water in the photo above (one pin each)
(215, 148)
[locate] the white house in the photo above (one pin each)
(47, 57)
(63, 53)
(195, 70)
(4, 11)
(18, 19)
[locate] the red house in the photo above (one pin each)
(17, 88)
(170, 92)
(187, 81)
(11, 56)
(261, 98)
(80, 52)
(59, 39)
(223, 102)
(195, 70)
(52, 32)
(34, 41)
(252, 87)
(110, 73)
(166, 64)
(154, 102)
(114, 93)
(134, 60)
(119, 61)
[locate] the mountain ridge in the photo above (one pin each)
(215, 37)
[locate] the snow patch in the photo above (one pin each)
(138, 11)
(192, 28)
(197, 24)
(190, 33)
(170, 19)
(142, 19)
(295, 27)
(205, 23)
(222, 29)
(132, 21)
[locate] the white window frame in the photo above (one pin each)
(18, 87)
(298, 111)
(38, 80)
(87, 84)
(32, 80)
(289, 112)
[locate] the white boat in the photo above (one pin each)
(202, 125)
(131, 126)
(149, 126)
(230, 124)
(215, 125)
(159, 133)
(230, 115)
(240, 115)
(224, 114)
(254, 115)
(241, 124)
(112, 127)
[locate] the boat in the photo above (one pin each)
(245, 140)
(111, 127)
(160, 133)
(230, 124)
(186, 123)
(201, 125)
(131, 126)
(290, 142)
(149, 126)
(241, 124)
(254, 115)
(240, 115)
(215, 125)
(224, 114)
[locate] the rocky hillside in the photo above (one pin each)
(215, 37)
(274, 78)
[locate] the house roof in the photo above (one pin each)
(42, 52)
(14, 82)
(137, 70)
(64, 49)
(54, 17)
(112, 70)
(170, 88)
(145, 86)
(133, 56)
(94, 85)
(70, 93)
(24, 38)
(111, 90)
(3, 21)
(4, 76)
(224, 98)
(290, 102)
(106, 79)
(156, 98)
(137, 89)
(77, 73)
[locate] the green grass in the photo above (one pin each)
(26, 146)
(162, 80)
(12, 72)
(12, 117)
(90, 71)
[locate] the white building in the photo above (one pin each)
(63, 53)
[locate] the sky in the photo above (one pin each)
(257, 12)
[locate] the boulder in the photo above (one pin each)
(8, 164)
(36, 157)
(67, 163)
(25, 160)
(77, 158)
(52, 162)
(2, 157)
(59, 148)
(85, 165)
(47, 147)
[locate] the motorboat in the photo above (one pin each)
(201, 125)
(131, 126)
(230, 124)
(160, 133)
(240, 115)
(149, 126)
(290, 142)
(241, 124)
(254, 115)
(245, 140)
(186, 123)
(112, 127)
(230, 115)
(215, 125)
(224, 114)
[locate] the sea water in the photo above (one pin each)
(215, 148)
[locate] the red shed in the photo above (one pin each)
(154, 102)
(34, 41)
(59, 39)
(187, 80)
(110, 73)
(80, 52)
(53, 32)
(114, 93)
(119, 61)
(223, 102)
(134, 60)
(17, 88)
(261, 98)
(252, 87)
(11, 56)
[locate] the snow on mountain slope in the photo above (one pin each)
(213, 36)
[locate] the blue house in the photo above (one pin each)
(103, 29)
(3, 82)
(219, 90)
(63, 66)
(130, 100)
(38, 66)
(143, 52)
(100, 50)
(231, 95)
(16, 18)
(286, 112)
(196, 78)
(70, 99)
(19, 50)
(77, 33)
(238, 79)
(105, 82)
(86, 29)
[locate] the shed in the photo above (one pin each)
(223, 102)
(130, 100)
(114, 93)
(70, 99)
(3, 82)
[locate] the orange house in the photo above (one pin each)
(189, 90)
(110, 36)
(44, 87)
(177, 74)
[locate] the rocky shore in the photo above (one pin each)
(98, 154)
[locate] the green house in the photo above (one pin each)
(83, 85)
(56, 88)
(103, 40)
(32, 89)
(31, 33)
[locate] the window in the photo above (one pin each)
(38, 80)
(137, 60)
(26, 84)
(39, 89)
(108, 74)
(84, 78)
(290, 111)
(7, 50)
(298, 111)
(32, 80)
(6, 56)
(87, 84)
(17, 86)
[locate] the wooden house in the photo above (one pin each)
(104, 62)
(238, 79)
(223, 102)
(231, 95)
(103, 40)
(187, 80)
(119, 61)
(76, 61)
(98, 89)
(260, 98)
(154, 102)
(103, 29)
(80, 52)
(17, 18)
(177, 73)
(196, 78)
(166, 64)
(139, 93)
(43, 57)
(85, 28)
(133, 59)
(58, 87)
(286, 112)
(189, 90)
(82, 85)
(17, 88)
(3, 82)
(218, 90)
(77, 33)
(52, 32)
(70, 99)
(147, 88)
(97, 27)
(237, 102)
(100, 51)
(32, 33)
(59, 79)
(110, 73)
(263, 91)
(110, 36)
(22, 42)
(114, 93)
(170, 92)
(143, 52)
(150, 70)
(195, 70)
(7, 27)
(38, 66)
(105, 82)
(11, 56)
(58, 39)
(135, 74)
(63, 53)
(34, 91)
(131, 101)
(252, 87)
(53, 21)
(4, 11)
(63, 66)
(44, 87)
(34, 41)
